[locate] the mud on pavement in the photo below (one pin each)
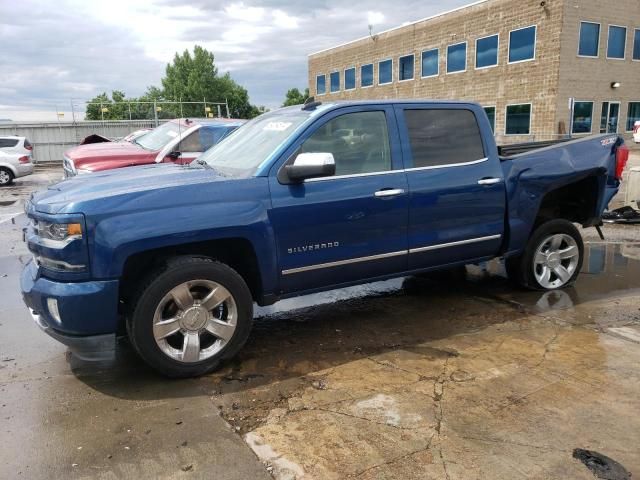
(457, 378)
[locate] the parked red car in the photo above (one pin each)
(177, 141)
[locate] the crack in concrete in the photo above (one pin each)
(387, 363)
(518, 444)
(547, 348)
(395, 459)
(438, 390)
(336, 412)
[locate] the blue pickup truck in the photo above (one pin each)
(300, 200)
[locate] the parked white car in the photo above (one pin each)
(15, 144)
(636, 132)
(16, 159)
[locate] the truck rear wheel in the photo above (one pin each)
(189, 315)
(552, 258)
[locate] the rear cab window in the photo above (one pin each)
(443, 137)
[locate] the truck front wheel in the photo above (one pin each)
(189, 315)
(552, 258)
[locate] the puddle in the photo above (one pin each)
(601, 466)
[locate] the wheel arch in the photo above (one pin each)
(235, 252)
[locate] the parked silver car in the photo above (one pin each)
(15, 159)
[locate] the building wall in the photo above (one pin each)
(590, 79)
(533, 81)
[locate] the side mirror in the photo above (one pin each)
(311, 165)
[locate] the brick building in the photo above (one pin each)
(540, 68)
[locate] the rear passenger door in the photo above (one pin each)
(456, 185)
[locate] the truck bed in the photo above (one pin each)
(517, 148)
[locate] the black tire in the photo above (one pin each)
(156, 286)
(6, 177)
(521, 269)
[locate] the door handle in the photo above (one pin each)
(489, 181)
(389, 192)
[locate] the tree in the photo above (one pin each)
(294, 97)
(191, 77)
(194, 78)
(116, 107)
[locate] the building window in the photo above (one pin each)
(321, 85)
(457, 57)
(617, 43)
(385, 72)
(487, 52)
(518, 119)
(405, 68)
(350, 78)
(443, 137)
(582, 117)
(366, 75)
(633, 115)
(522, 44)
(636, 45)
(334, 82)
(589, 39)
(430, 61)
(604, 117)
(491, 115)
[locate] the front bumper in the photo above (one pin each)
(88, 310)
(93, 348)
(24, 169)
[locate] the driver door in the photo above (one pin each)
(352, 225)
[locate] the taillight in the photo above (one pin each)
(622, 156)
(24, 159)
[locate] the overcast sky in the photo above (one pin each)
(54, 50)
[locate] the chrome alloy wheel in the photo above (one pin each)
(5, 178)
(556, 260)
(195, 320)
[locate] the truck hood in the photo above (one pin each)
(130, 188)
(103, 156)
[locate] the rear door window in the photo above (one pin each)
(440, 137)
(358, 141)
(8, 142)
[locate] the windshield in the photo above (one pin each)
(159, 137)
(241, 153)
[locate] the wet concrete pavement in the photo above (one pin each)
(460, 376)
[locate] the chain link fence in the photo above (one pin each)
(152, 110)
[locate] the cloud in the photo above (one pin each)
(375, 18)
(55, 51)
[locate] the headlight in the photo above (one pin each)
(58, 234)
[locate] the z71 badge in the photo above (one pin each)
(311, 248)
(608, 141)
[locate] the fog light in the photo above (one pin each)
(52, 305)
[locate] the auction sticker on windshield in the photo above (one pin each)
(276, 126)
